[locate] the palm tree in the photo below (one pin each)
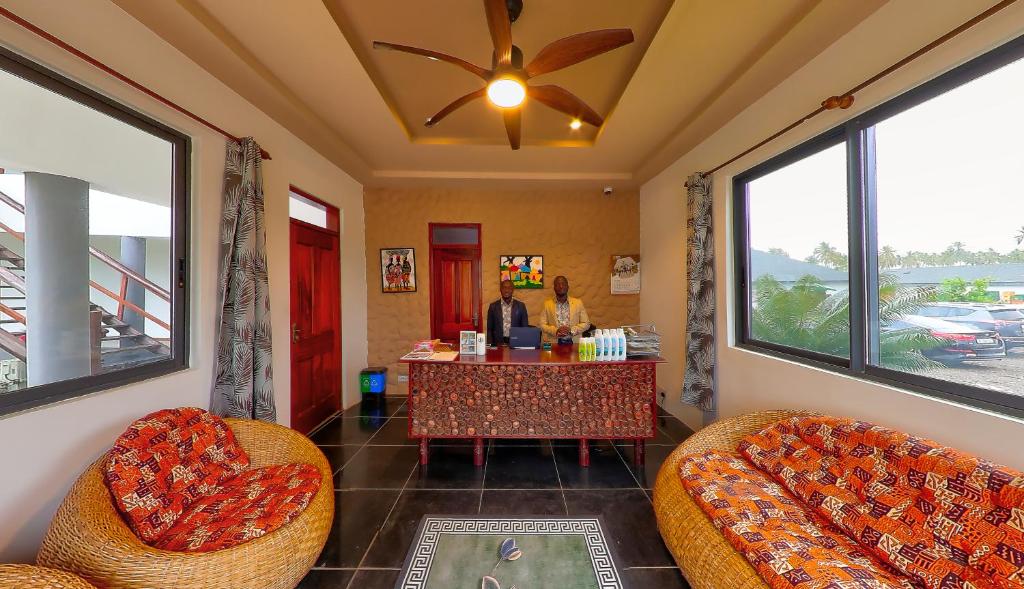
(888, 258)
(826, 255)
(806, 316)
(778, 251)
(1020, 235)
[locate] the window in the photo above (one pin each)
(891, 247)
(93, 218)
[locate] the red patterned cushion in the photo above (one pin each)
(247, 506)
(788, 544)
(167, 460)
(943, 517)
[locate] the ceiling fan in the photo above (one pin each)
(507, 79)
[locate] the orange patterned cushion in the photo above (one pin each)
(247, 506)
(166, 461)
(789, 545)
(942, 517)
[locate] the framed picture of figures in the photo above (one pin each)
(524, 271)
(625, 274)
(397, 269)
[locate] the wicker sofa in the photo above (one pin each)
(89, 538)
(23, 576)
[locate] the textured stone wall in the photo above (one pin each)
(577, 232)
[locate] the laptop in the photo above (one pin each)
(524, 338)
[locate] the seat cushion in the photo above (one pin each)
(788, 544)
(943, 517)
(247, 506)
(166, 461)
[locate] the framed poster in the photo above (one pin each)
(398, 269)
(524, 271)
(625, 274)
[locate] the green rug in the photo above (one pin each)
(559, 552)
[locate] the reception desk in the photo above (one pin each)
(544, 394)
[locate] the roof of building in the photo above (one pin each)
(786, 269)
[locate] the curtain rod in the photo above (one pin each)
(845, 100)
(111, 71)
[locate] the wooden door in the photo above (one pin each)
(315, 325)
(456, 306)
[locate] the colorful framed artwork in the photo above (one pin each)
(398, 269)
(524, 271)
(625, 274)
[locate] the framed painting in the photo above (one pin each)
(524, 271)
(398, 269)
(625, 274)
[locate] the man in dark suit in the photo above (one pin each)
(504, 314)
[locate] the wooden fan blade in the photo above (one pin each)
(562, 100)
(501, 30)
(572, 50)
(513, 125)
(457, 103)
(473, 69)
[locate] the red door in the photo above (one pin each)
(455, 280)
(315, 325)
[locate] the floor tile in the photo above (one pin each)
(394, 539)
(662, 578)
(629, 517)
(525, 467)
(394, 432)
(326, 579)
(348, 430)
(357, 517)
(606, 470)
(654, 456)
(450, 467)
(378, 467)
(373, 579)
(400, 409)
(339, 455)
(520, 502)
(674, 428)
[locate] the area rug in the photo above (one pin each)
(507, 552)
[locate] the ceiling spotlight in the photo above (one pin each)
(432, 58)
(575, 124)
(506, 92)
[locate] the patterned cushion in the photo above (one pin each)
(167, 460)
(788, 544)
(942, 517)
(247, 506)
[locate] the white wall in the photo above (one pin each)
(44, 450)
(748, 381)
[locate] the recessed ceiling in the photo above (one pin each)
(415, 87)
(696, 64)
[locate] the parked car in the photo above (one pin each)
(962, 342)
(1008, 320)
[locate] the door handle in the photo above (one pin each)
(295, 332)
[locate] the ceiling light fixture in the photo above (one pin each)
(575, 124)
(506, 92)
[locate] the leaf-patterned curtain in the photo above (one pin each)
(244, 385)
(699, 379)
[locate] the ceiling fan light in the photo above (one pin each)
(575, 124)
(506, 92)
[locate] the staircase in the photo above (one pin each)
(116, 344)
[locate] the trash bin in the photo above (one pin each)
(373, 381)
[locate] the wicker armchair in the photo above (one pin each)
(23, 576)
(706, 558)
(88, 536)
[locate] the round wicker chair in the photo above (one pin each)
(23, 576)
(706, 558)
(88, 536)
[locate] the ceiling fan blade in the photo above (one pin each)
(457, 103)
(473, 69)
(562, 100)
(576, 48)
(501, 30)
(513, 125)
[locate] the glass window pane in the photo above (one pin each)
(449, 235)
(798, 255)
(950, 223)
(309, 211)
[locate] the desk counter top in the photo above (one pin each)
(558, 354)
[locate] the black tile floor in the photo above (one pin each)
(382, 492)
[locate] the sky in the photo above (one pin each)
(951, 169)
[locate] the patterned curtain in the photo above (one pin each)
(244, 385)
(699, 380)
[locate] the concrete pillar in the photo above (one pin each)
(57, 277)
(133, 255)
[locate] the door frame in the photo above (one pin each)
(333, 229)
(435, 288)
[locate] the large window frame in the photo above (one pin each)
(857, 134)
(181, 150)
